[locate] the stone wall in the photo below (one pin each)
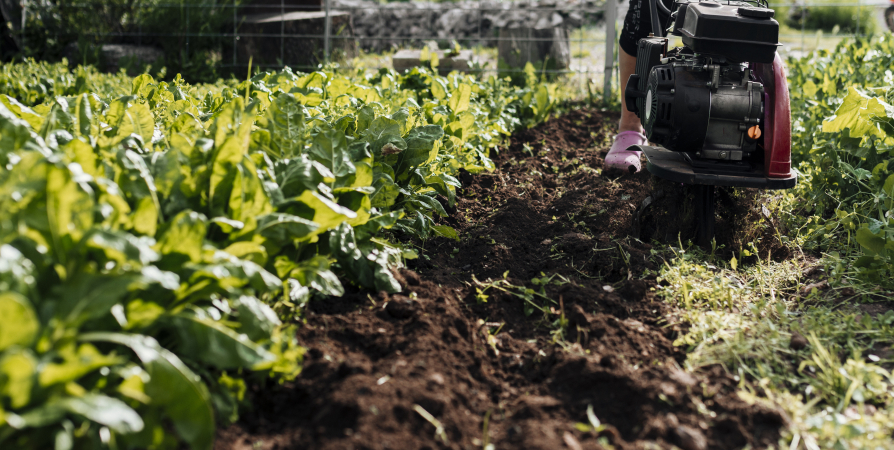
(400, 24)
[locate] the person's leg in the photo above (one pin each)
(629, 121)
(630, 132)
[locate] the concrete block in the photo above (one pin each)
(407, 59)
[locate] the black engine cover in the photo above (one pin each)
(678, 107)
(689, 103)
(648, 54)
(738, 33)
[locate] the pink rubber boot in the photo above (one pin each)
(619, 157)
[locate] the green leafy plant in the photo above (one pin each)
(843, 145)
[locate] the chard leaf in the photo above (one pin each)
(104, 410)
(285, 118)
(20, 324)
(172, 386)
(330, 148)
(213, 343)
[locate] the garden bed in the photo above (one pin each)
(544, 309)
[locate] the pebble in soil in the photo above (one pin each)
(377, 364)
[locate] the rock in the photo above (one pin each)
(407, 59)
(798, 341)
(682, 377)
(401, 307)
(571, 441)
(262, 40)
(689, 438)
(400, 24)
(436, 378)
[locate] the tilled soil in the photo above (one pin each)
(544, 309)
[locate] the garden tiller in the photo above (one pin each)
(718, 107)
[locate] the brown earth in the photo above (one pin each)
(544, 309)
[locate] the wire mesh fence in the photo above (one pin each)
(568, 38)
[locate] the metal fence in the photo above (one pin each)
(232, 35)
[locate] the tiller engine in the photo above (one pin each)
(718, 107)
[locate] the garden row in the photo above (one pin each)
(155, 235)
(843, 145)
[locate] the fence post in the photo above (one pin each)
(480, 18)
(611, 15)
(235, 38)
(803, 22)
(282, 32)
(326, 34)
(584, 73)
(187, 32)
(23, 37)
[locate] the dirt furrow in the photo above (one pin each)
(543, 311)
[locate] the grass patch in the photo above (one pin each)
(813, 352)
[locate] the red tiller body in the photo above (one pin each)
(777, 120)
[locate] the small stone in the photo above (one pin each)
(798, 341)
(571, 442)
(690, 439)
(436, 378)
(682, 377)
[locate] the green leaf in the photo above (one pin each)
(248, 199)
(256, 319)
(330, 148)
(313, 273)
(460, 98)
(123, 247)
(20, 324)
(809, 88)
(90, 296)
(324, 212)
(300, 174)
(284, 228)
(172, 385)
(381, 131)
(856, 113)
(235, 272)
(888, 188)
(386, 190)
(872, 243)
(421, 147)
(83, 116)
(445, 231)
(438, 89)
(34, 120)
(231, 131)
(213, 343)
(74, 364)
(69, 209)
(185, 235)
(285, 118)
(130, 117)
(104, 410)
(17, 369)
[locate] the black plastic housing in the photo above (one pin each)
(712, 28)
(648, 54)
